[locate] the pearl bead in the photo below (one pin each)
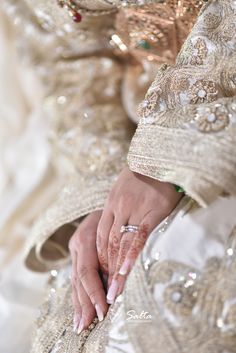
(176, 297)
(201, 93)
(211, 118)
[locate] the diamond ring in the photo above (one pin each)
(129, 229)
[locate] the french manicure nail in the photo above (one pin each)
(99, 312)
(76, 322)
(112, 292)
(125, 267)
(81, 326)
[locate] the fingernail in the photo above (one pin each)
(81, 326)
(76, 322)
(99, 312)
(112, 292)
(125, 267)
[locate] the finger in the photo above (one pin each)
(75, 299)
(127, 241)
(93, 286)
(118, 281)
(88, 275)
(77, 307)
(147, 225)
(88, 310)
(115, 284)
(115, 237)
(139, 239)
(103, 231)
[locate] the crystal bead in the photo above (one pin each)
(77, 17)
(211, 118)
(192, 275)
(220, 323)
(144, 44)
(157, 256)
(176, 297)
(201, 93)
(147, 264)
(61, 100)
(54, 273)
(230, 251)
(189, 283)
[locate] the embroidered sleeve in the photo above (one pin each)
(187, 130)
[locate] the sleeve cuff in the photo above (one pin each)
(45, 251)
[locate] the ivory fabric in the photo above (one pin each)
(21, 141)
(92, 75)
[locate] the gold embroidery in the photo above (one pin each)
(156, 31)
(191, 308)
(202, 91)
(199, 52)
(212, 21)
(214, 120)
(148, 105)
(76, 11)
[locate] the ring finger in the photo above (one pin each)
(121, 263)
(115, 238)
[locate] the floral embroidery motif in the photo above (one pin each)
(228, 31)
(212, 21)
(203, 91)
(199, 52)
(149, 103)
(180, 298)
(213, 120)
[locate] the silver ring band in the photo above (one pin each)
(129, 229)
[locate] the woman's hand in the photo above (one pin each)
(88, 294)
(136, 200)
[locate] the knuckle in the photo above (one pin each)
(125, 201)
(94, 293)
(83, 272)
(77, 238)
(86, 308)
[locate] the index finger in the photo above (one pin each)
(93, 286)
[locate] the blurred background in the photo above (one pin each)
(24, 157)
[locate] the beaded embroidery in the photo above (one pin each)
(76, 11)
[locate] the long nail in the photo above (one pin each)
(125, 267)
(81, 326)
(99, 312)
(76, 322)
(112, 292)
